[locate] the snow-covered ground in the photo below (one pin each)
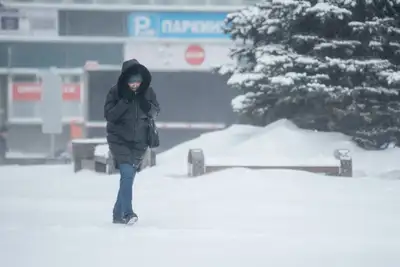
(17, 154)
(238, 217)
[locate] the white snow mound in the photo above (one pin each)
(280, 143)
(212, 143)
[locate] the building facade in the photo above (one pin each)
(87, 46)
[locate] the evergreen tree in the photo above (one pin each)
(331, 66)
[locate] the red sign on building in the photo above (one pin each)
(32, 91)
(195, 55)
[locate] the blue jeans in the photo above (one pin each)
(123, 204)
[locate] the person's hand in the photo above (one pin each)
(143, 103)
(127, 95)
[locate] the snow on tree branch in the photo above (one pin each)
(322, 10)
(331, 65)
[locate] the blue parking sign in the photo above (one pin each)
(185, 25)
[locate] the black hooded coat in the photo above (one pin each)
(127, 120)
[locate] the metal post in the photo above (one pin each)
(9, 56)
(53, 146)
(51, 104)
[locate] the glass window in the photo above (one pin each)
(71, 78)
(24, 78)
(72, 105)
(26, 95)
(141, 2)
(62, 55)
(92, 23)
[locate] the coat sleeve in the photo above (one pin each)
(114, 108)
(149, 103)
(155, 106)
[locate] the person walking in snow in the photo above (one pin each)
(128, 107)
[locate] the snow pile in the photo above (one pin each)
(234, 217)
(91, 140)
(280, 143)
(102, 151)
(213, 143)
(18, 154)
(283, 143)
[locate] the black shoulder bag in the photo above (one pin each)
(153, 139)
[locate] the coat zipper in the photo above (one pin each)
(137, 110)
(136, 117)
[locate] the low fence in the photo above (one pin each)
(93, 154)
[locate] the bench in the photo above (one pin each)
(104, 161)
(93, 154)
(197, 165)
(83, 156)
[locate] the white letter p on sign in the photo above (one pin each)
(142, 23)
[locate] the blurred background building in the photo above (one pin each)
(87, 40)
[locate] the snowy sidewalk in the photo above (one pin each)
(53, 217)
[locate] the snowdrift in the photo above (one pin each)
(229, 218)
(213, 143)
(283, 143)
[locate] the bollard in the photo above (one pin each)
(153, 157)
(149, 159)
(346, 162)
(76, 157)
(110, 164)
(196, 162)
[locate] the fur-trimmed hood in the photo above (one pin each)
(130, 67)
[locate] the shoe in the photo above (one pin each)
(130, 219)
